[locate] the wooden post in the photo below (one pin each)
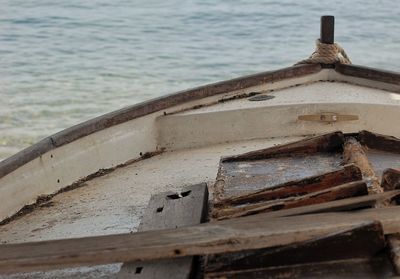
(327, 29)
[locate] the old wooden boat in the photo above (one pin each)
(291, 173)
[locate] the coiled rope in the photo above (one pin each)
(327, 54)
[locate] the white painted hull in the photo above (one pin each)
(192, 136)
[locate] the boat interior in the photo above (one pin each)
(97, 178)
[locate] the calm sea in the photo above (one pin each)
(63, 62)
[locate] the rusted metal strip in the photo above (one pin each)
(328, 117)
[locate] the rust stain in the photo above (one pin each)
(45, 200)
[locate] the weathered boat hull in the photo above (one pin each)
(96, 178)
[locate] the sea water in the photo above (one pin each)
(63, 62)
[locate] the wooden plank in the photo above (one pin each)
(376, 267)
(324, 143)
(252, 232)
(352, 189)
(362, 202)
(167, 211)
(353, 153)
(368, 73)
(363, 241)
(240, 177)
(391, 179)
(380, 142)
(307, 185)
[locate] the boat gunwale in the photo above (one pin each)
(120, 116)
(370, 73)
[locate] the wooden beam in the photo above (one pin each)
(377, 267)
(368, 73)
(353, 153)
(352, 189)
(167, 211)
(380, 142)
(362, 202)
(307, 185)
(358, 242)
(324, 143)
(252, 232)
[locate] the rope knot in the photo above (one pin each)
(327, 54)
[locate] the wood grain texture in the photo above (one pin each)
(325, 143)
(170, 210)
(252, 232)
(304, 186)
(368, 73)
(348, 204)
(352, 189)
(380, 142)
(131, 112)
(376, 267)
(353, 153)
(362, 241)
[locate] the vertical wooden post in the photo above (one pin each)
(327, 29)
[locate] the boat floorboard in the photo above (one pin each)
(115, 202)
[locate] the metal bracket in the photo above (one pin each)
(328, 117)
